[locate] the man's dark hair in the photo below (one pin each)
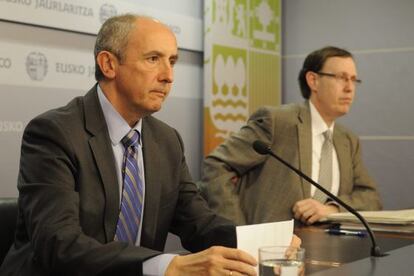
(315, 61)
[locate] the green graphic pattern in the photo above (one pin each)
(226, 53)
(265, 23)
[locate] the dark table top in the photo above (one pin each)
(324, 251)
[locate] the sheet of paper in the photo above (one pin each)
(251, 237)
(387, 216)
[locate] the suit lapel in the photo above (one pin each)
(342, 152)
(152, 183)
(305, 145)
(100, 145)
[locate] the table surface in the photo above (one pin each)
(324, 251)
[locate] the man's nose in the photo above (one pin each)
(349, 84)
(166, 73)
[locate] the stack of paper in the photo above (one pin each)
(401, 221)
(387, 217)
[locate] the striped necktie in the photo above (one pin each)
(325, 167)
(131, 202)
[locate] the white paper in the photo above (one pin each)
(251, 237)
(387, 216)
(289, 271)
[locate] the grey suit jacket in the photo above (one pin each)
(69, 199)
(250, 188)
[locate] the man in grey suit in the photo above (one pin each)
(79, 186)
(250, 188)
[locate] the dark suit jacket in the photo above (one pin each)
(250, 188)
(69, 199)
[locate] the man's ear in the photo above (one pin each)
(312, 80)
(108, 64)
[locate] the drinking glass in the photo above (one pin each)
(281, 261)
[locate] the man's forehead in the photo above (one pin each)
(152, 30)
(148, 38)
(149, 23)
(339, 63)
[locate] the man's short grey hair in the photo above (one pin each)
(113, 37)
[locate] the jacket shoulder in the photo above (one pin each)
(286, 112)
(157, 125)
(343, 130)
(67, 115)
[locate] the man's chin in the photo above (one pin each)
(344, 108)
(342, 112)
(155, 108)
(148, 110)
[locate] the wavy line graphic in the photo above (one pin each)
(227, 110)
(227, 117)
(225, 103)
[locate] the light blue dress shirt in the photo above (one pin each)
(118, 128)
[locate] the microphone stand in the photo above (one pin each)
(261, 148)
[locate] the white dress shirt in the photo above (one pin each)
(318, 128)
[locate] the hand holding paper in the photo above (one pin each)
(251, 237)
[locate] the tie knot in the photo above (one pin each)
(328, 135)
(131, 139)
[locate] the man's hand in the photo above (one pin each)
(296, 241)
(310, 211)
(216, 260)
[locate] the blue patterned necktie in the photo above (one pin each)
(131, 202)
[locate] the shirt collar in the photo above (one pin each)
(117, 126)
(318, 124)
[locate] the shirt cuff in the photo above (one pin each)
(157, 265)
(334, 203)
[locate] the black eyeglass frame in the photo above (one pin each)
(339, 77)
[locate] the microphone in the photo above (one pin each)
(261, 148)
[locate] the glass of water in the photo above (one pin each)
(281, 261)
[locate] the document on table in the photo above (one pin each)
(386, 217)
(251, 237)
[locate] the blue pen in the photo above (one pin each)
(336, 231)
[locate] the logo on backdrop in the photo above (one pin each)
(106, 11)
(36, 66)
(175, 28)
(67, 68)
(21, 2)
(5, 62)
(61, 6)
(11, 126)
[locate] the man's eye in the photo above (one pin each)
(343, 77)
(153, 59)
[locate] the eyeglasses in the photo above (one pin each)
(342, 78)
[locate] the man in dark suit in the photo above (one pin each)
(247, 187)
(73, 170)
